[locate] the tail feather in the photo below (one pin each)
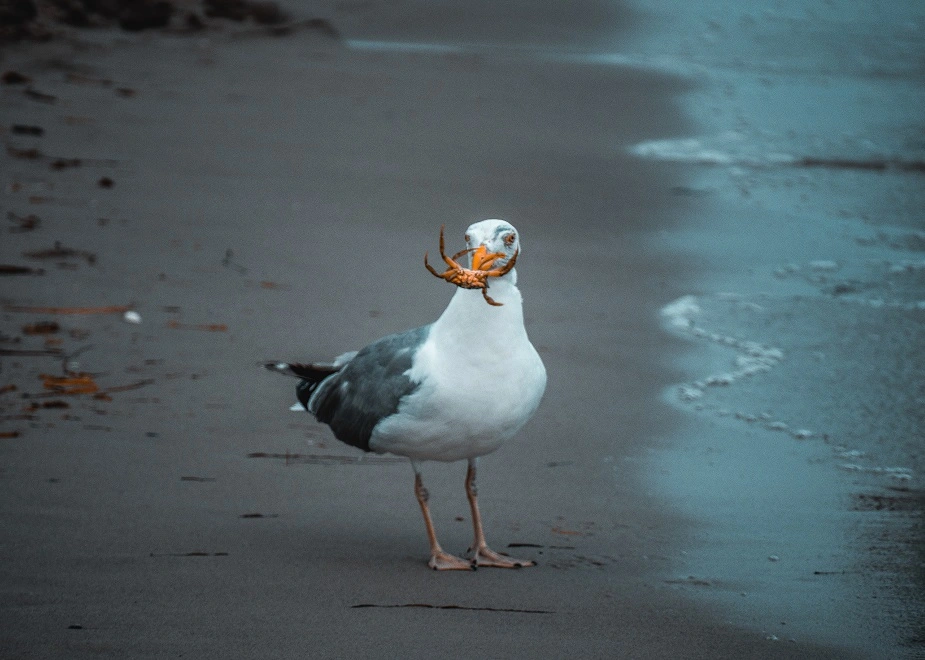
(311, 376)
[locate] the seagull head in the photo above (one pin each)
(492, 237)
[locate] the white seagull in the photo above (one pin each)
(449, 391)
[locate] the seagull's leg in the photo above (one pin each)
(482, 554)
(439, 560)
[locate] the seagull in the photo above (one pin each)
(452, 390)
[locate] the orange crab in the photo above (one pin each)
(477, 276)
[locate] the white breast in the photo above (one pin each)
(480, 381)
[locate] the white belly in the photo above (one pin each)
(469, 400)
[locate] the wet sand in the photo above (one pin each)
(272, 198)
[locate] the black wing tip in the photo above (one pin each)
(313, 372)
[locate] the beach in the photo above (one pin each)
(727, 460)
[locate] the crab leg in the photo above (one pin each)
(446, 275)
(461, 253)
(505, 269)
(489, 299)
(449, 262)
(431, 268)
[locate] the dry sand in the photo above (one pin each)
(272, 198)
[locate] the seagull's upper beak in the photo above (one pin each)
(482, 259)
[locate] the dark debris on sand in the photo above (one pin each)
(39, 19)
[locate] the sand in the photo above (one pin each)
(256, 197)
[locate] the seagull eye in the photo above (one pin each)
(509, 240)
(467, 238)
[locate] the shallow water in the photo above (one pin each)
(805, 382)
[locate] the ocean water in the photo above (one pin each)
(805, 381)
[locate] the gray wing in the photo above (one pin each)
(368, 388)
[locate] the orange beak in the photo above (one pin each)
(482, 260)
